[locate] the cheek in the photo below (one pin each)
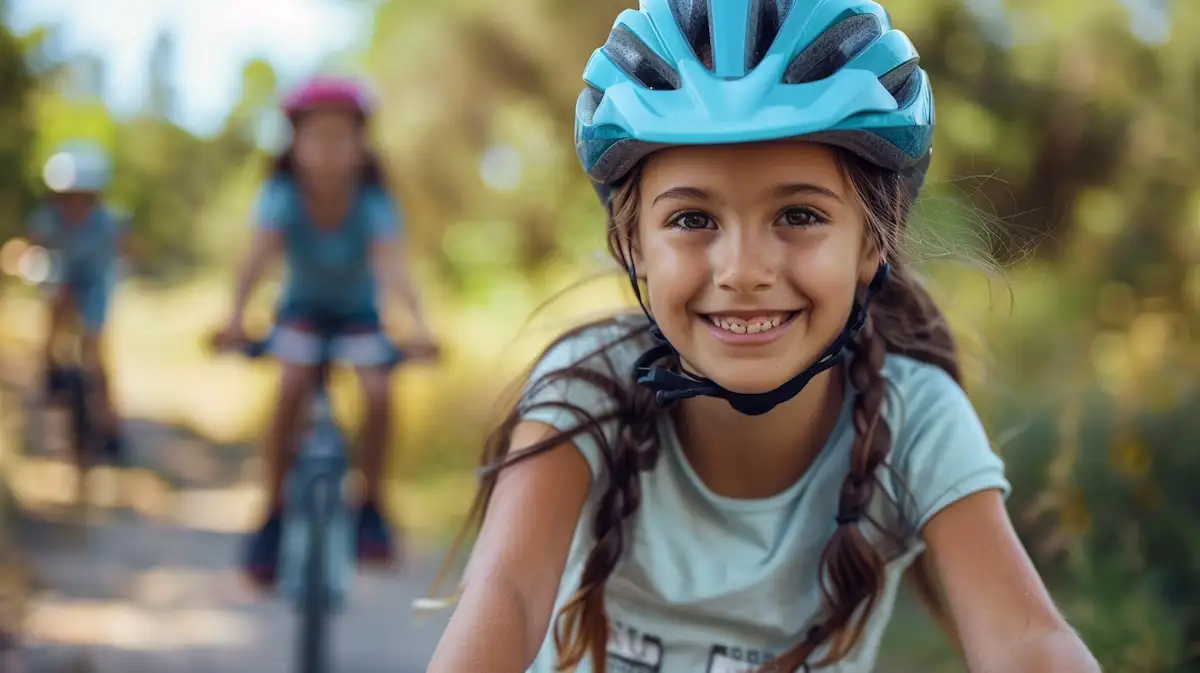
(827, 275)
(307, 152)
(674, 275)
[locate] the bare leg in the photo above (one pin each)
(94, 363)
(61, 306)
(295, 386)
(376, 429)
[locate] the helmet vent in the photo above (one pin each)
(639, 61)
(766, 17)
(836, 47)
(902, 82)
(693, 19)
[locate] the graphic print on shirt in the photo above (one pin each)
(632, 651)
(725, 659)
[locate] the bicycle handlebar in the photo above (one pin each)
(259, 348)
(255, 349)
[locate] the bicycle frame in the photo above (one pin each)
(317, 541)
(317, 556)
(318, 551)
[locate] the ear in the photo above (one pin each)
(635, 253)
(639, 265)
(870, 258)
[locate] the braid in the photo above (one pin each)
(851, 568)
(582, 624)
(902, 319)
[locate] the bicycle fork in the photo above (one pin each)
(318, 550)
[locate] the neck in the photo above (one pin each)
(74, 216)
(327, 200)
(747, 457)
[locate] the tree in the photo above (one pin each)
(162, 98)
(16, 133)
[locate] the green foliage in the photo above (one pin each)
(1068, 150)
(16, 137)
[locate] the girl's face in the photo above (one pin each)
(74, 207)
(328, 144)
(752, 255)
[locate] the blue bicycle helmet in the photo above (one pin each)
(699, 72)
(78, 166)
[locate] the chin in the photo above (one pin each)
(746, 380)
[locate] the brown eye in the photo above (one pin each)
(801, 217)
(691, 220)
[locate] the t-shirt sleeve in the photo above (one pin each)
(383, 215)
(40, 224)
(942, 452)
(119, 221)
(565, 402)
(271, 205)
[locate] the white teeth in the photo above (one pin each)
(741, 327)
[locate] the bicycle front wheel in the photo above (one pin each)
(316, 603)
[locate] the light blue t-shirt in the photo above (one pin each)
(710, 584)
(328, 270)
(87, 253)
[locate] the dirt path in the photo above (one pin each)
(152, 589)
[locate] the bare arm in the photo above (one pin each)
(389, 260)
(264, 248)
(1005, 617)
(514, 574)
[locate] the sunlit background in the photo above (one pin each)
(1068, 153)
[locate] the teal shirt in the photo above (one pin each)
(710, 584)
(88, 252)
(328, 270)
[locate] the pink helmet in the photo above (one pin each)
(322, 91)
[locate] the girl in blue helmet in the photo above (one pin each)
(737, 479)
(326, 211)
(86, 239)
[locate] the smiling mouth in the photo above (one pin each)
(764, 322)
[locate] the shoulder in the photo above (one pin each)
(375, 195)
(377, 210)
(275, 200)
(378, 204)
(940, 449)
(919, 385)
(42, 217)
(609, 347)
(114, 219)
(582, 379)
(277, 190)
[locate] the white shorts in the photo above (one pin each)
(366, 349)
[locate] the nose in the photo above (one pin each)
(745, 259)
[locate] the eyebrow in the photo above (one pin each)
(794, 188)
(778, 191)
(682, 194)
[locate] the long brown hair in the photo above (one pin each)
(902, 318)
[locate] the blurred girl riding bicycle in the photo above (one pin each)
(327, 211)
(85, 240)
